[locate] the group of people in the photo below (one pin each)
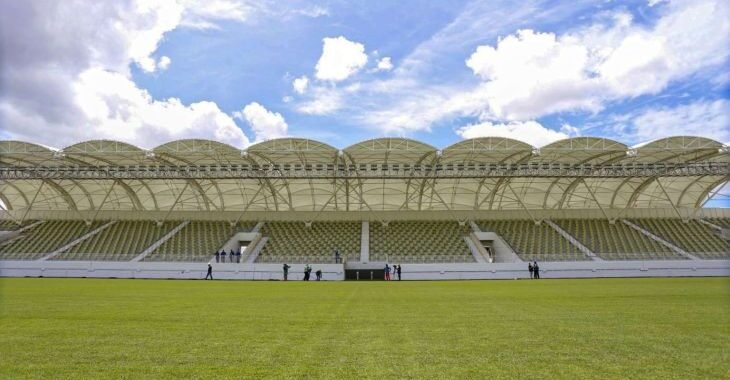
(220, 257)
(307, 273)
(534, 270)
(395, 270)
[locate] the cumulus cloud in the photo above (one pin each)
(324, 100)
(702, 118)
(300, 84)
(67, 81)
(530, 132)
(164, 62)
(529, 74)
(264, 123)
(384, 64)
(205, 14)
(340, 59)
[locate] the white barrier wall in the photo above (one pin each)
(107, 269)
(573, 269)
(467, 271)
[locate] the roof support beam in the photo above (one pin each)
(519, 199)
(176, 201)
(669, 199)
(30, 205)
(593, 195)
(106, 196)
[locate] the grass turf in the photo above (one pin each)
(603, 328)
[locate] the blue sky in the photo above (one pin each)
(244, 71)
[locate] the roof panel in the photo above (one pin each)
(679, 149)
(390, 150)
(293, 151)
(579, 150)
(487, 150)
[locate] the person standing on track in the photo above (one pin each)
(531, 269)
(210, 272)
(536, 269)
(399, 270)
(286, 272)
(387, 272)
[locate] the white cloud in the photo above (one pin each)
(569, 130)
(314, 12)
(702, 118)
(300, 84)
(528, 74)
(530, 132)
(70, 81)
(384, 64)
(340, 59)
(324, 100)
(264, 123)
(205, 14)
(164, 62)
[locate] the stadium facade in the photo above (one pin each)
(480, 206)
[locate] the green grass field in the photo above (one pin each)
(574, 329)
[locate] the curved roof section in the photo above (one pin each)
(21, 153)
(104, 152)
(197, 152)
(582, 150)
(487, 149)
(390, 151)
(292, 151)
(679, 149)
(363, 194)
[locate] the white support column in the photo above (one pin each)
(158, 243)
(255, 253)
(658, 239)
(711, 225)
(573, 241)
(475, 251)
(77, 241)
(258, 227)
(365, 242)
(474, 226)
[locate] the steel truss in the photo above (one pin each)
(400, 172)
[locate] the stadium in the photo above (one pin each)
(481, 208)
(319, 189)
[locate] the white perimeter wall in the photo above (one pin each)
(107, 269)
(469, 271)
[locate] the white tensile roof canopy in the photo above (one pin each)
(379, 176)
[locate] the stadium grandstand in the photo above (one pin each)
(478, 202)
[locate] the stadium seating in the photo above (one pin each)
(120, 242)
(9, 225)
(616, 241)
(721, 222)
(196, 242)
(419, 242)
(42, 239)
(533, 242)
(694, 237)
(293, 242)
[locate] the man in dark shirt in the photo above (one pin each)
(210, 272)
(399, 269)
(531, 269)
(536, 269)
(286, 272)
(217, 256)
(232, 255)
(223, 255)
(319, 274)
